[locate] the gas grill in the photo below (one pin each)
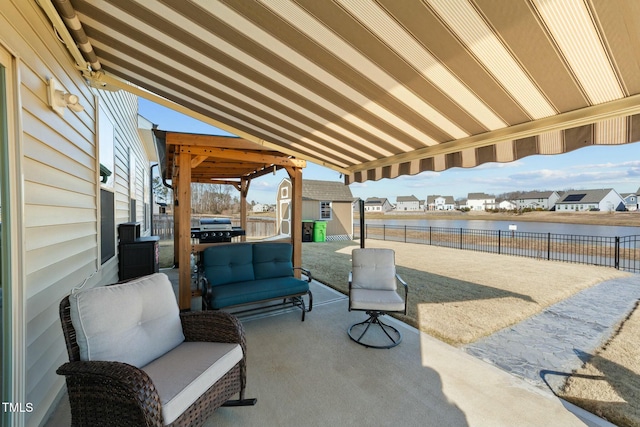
(216, 230)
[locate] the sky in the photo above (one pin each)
(616, 167)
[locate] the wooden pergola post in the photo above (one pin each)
(184, 230)
(244, 190)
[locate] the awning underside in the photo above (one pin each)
(378, 89)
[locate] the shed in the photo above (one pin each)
(329, 201)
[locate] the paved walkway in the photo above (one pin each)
(559, 338)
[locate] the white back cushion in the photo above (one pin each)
(134, 322)
(373, 269)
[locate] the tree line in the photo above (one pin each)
(216, 199)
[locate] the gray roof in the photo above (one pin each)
(334, 191)
(375, 201)
(410, 198)
(447, 199)
(537, 195)
(590, 196)
(480, 196)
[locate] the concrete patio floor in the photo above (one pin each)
(310, 373)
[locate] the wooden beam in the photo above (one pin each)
(249, 156)
(265, 171)
(197, 160)
(206, 179)
(176, 138)
(236, 184)
(184, 233)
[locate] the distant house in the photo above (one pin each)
(630, 201)
(329, 201)
(606, 199)
(480, 201)
(259, 207)
(507, 205)
(407, 203)
(440, 203)
(538, 200)
(377, 204)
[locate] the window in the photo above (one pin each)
(325, 210)
(133, 214)
(106, 142)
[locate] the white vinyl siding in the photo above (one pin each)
(61, 209)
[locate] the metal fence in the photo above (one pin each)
(618, 252)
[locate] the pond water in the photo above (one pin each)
(523, 226)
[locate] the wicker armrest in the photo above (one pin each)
(213, 326)
(111, 393)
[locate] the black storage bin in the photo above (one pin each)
(307, 231)
(128, 232)
(139, 257)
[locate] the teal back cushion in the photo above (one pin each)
(228, 263)
(272, 260)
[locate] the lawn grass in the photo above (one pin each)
(460, 296)
(608, 384)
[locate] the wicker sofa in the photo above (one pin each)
(241, 274)
(135, 360)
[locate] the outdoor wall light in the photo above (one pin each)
(59, 99)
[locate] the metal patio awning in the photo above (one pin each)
(378, 89)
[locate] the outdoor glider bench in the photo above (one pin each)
(240, 274)
(135, 360)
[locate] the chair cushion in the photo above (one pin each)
(134, 322)
(228, 263)
(373, 269)
(370, 299)
(183, 374)
(272, 260)
(256, 290)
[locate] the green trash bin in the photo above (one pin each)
(319, 231)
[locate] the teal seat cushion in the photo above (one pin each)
(272, 260)
(225, 264)
(256, 290)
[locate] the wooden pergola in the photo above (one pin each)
(210, 159)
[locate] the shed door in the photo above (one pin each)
(284, 210)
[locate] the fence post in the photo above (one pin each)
(499, 241)
(460, 237)
(405, 234)
(430, 235)
(384, 232)
(617, 254)
(548, 246)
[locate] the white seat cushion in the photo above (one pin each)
(373, 299)
(182, 375)
(134, 322)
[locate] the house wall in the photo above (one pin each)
(480, 204)
(408, 206)
(60, 200)
(610, 202)
(341, 224)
